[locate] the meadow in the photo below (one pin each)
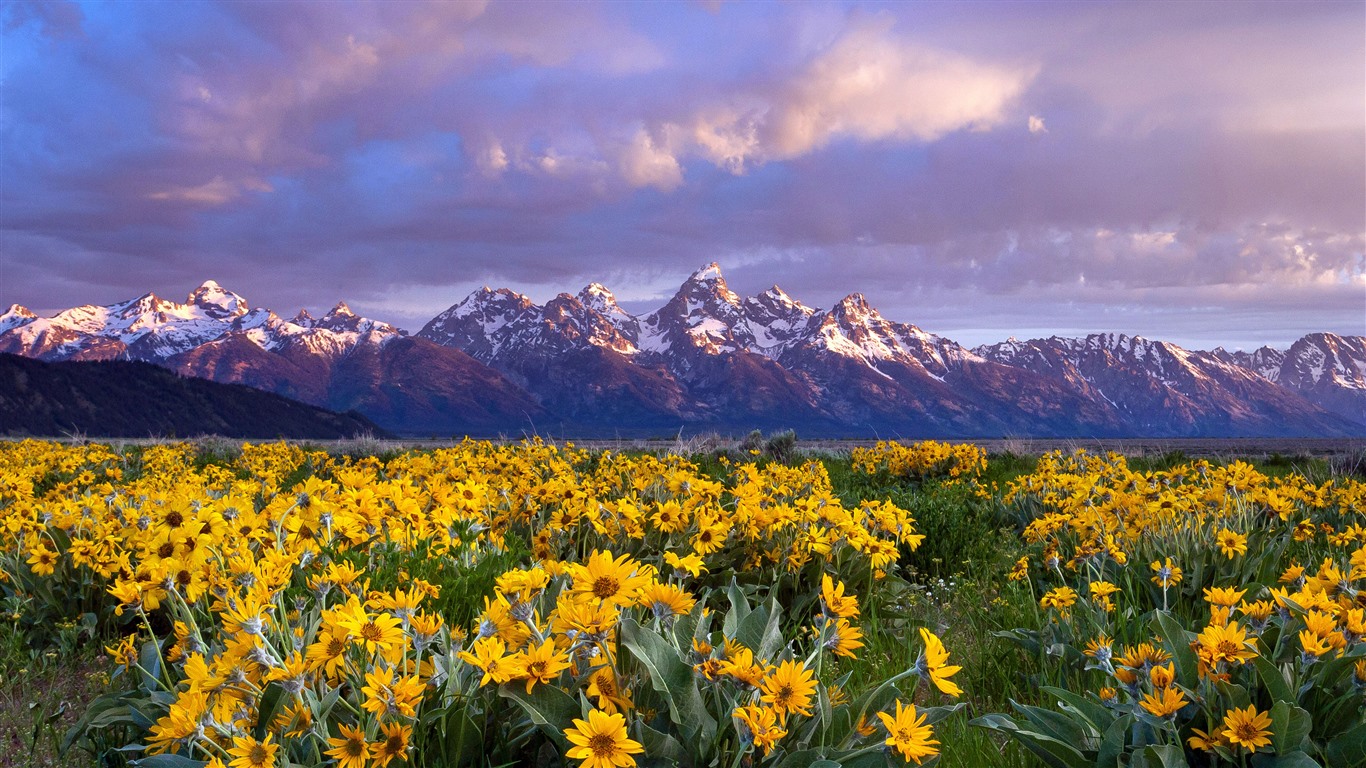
(181, 605)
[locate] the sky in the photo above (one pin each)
(1188, 171)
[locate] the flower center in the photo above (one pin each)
(605, 587)
(371, 631)
(603, 745)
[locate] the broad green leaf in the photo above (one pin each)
(1289, 726)
(1112, 744)
(1298, 760)
(660, 749)
(1059, 726)
(1027, 640)
(739, 609)
(547, 706)
(1274, 680)
(464, 741)
(1177, 641)
(270, 702)
(673, 678)
(753, 627)
(1348, 747)
(149, 661)
(772, 638)
(1096, 714)
(169, 761)
(1055, 753)
(1165, 756)
(936, 715)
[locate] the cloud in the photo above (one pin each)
(645, 164)
(869, 85)
(391, 152)
(216, 192)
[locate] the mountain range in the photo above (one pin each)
(708, 359)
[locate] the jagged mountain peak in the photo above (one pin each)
(776, 297)
(707, 285)
(854, 304)
(216, 301)
(340, 309)
(600, 298)
(707, 274)
(303, 319)
(147, 302)
(481, 300)
(16, 316)
(18, 310)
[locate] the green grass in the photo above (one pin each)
(42, 694)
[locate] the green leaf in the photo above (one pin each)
(881, 760)
(1095, 714)
(1178, 643)
(149, 659)
(1028, 640)
(1274, 681)
(1055, 753)
(1348, 747)
(936, 715)
(660, 748)
(1296, 760)
(673, 679)
(739, 609)
(169, 761)
(1058, 726)
(753, 628)
(1165, 755)
(815, 758)
(772, 638)
(1112, 744)
(1289, 727)
(547, 706)
(464, 742)
(270, 702)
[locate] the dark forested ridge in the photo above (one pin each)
(131, 399)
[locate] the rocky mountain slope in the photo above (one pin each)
(134, 399)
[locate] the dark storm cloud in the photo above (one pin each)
(979, 167)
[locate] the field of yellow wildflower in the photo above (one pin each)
(491, 604)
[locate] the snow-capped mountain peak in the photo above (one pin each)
(704, 315)
(599, 298)
(707, 274)
(217, 302)
(16, 316)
